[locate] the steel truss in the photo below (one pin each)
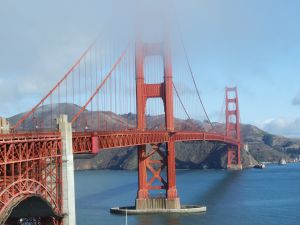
(30, 165)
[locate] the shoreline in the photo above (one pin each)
(184, 169)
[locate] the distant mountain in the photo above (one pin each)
(262, 146)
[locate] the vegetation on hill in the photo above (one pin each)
(262, 146)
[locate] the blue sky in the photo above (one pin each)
(253, 44)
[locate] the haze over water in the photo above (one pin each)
(252, 196)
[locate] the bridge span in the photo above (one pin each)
(36, 167)
(93, 142)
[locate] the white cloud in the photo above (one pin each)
(296, 100)
(282, 126)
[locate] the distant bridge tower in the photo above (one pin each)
(148, 161)
(233, 128)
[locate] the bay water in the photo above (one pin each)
(249, 197)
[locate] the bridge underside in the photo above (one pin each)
(30, 178)
(33, 210)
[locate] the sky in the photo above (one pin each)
(251, 44)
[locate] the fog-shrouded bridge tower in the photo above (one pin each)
(146, 161)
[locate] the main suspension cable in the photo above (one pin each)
(193, 77)
(187, 114)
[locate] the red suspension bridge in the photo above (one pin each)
(109, 90)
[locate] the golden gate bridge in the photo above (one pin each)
(111, 90)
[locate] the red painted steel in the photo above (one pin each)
(101, 85)
(93, 142)
(233, 127)
(171, 171)
(143, 192)
(33, 154)
(153, 161)
(68, 73)
(163, 90)
(143, 92)
(30, 165)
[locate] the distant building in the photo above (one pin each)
(246, 147)
(4, 126)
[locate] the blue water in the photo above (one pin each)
(249, 197)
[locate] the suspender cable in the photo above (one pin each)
(101, 85)
(193, 77)
(181, 102)
(55, 87)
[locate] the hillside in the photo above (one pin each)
(194, 155)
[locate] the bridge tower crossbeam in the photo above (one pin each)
(164, 91)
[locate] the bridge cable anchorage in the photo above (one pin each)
(67, 74)
(101, 84)
(193, 77)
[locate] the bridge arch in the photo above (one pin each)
(20, 197)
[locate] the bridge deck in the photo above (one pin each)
(93, 142)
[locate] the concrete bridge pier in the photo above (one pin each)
(4, 126)
(67, 171)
